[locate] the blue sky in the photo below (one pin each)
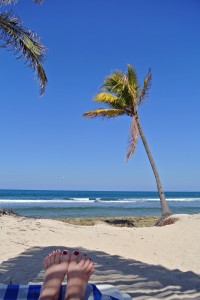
(46, 143)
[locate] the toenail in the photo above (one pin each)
(76, 252)
(65, 252)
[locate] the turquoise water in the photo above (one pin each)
(61, 204)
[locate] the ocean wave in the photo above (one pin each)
(134, 200)
(175, 199)
(183, 199)
(79, 199)
(96, 200)
(44, 201)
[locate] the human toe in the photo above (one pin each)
(83, 259)
(45, 263)
(65, 256)
(74, 256)
(87, 263)
(90, 268)
(48, 260)
(57, 256)
(52, 257)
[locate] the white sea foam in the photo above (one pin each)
(44, 201)
(120, 201)
(183, 199)
(174, 199)
(81, 199)
(97, 200)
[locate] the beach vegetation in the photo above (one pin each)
(137, 221)
(122, 95)
(24, 43)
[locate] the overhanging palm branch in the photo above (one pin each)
(24, 43)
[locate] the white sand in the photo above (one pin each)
(148, 263)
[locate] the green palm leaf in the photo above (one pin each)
(104, 113)
(24, 43)
(105, 97)
(132, 76)
(131, 84)
(110, 100)
(116, 84)
(113, 82)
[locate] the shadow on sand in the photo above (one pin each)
(138, 279)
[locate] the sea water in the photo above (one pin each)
(74, 204)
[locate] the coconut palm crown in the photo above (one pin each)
(122, 95)
(23, 42)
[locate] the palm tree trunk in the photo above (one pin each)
(164, 206)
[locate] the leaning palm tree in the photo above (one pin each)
(122, 94)
(24, 43)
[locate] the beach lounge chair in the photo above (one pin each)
(31, 292)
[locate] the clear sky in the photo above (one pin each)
(45, 141)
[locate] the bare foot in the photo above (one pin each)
(55, 265)
(79, 271)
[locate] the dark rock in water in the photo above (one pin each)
(8, 212)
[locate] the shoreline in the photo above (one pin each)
(146, 262)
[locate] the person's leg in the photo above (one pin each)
(55, 265)
(79, 271)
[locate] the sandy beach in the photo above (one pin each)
(147, 263)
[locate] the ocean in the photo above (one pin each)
(88, 204)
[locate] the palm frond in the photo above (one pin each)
(105, 97)
(133, 137)
(110, 100)
(116, 84)
(130, 88)
(146, 87)
(24, 43)
(104, 113)
(132, 76)
(112, 82)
